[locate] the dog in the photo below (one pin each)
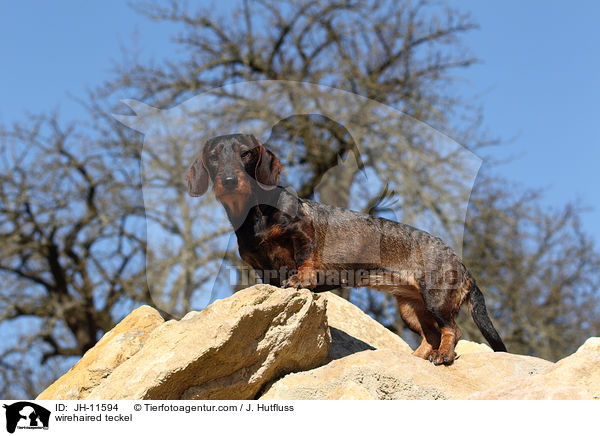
(293, 242)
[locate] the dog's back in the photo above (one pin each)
(349, 238)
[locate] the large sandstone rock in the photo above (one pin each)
(115, 347)
(271, 340)
(228, 350)
(575, 377)
(352, 330)
(387, 374)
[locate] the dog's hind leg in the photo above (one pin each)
(441, 305)
(419, 320)
(445, 354)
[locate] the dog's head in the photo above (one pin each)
(238, 166)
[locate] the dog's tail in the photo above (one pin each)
(476, 304)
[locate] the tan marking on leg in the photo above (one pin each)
(415, 316)
(445, 354)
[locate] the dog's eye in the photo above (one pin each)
(245, 154)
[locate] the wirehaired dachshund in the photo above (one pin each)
(292, 242)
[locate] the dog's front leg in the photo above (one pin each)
(304, 255)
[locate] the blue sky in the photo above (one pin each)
(539, 80)
(541, 83)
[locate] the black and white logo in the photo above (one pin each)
(26, 415)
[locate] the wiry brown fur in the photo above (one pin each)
(279, 232)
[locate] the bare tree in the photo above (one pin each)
(538, 268)
(71, 244)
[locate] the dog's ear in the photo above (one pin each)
(268, 167)
(197, 178)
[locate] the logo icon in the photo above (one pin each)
(26, 415)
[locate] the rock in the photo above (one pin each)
(491, 369)
(350, 391)
(227, 351)
(352, 330)
(276, 343)
(383, 374)
(468, 347)
(388, 374)
(575, 377)
(592, 344)
(115, 347)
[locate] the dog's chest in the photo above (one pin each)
(272, 253)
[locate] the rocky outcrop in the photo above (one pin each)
(227, 351)
(576, 377)
(271, 343)
(391, 375)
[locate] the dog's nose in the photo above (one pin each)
(229, 182)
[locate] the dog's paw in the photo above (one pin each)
(441, 358)
(305, 278)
